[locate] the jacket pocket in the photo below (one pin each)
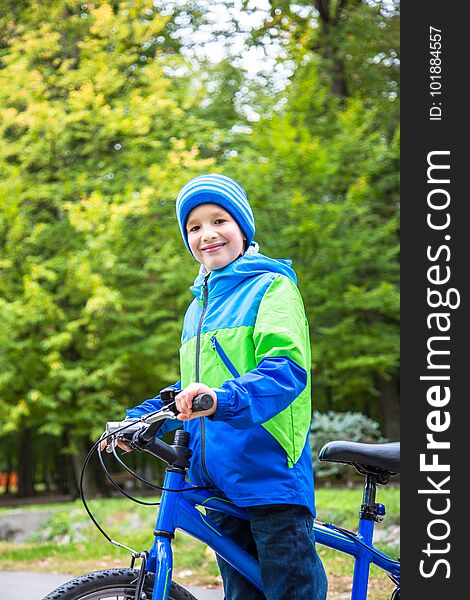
(225, 359)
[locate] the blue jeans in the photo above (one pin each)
(281, 537)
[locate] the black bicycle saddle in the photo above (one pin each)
(382, 457)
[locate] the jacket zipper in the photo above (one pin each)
(225, 359)
(203, 301)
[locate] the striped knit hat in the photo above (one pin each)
(220, 190)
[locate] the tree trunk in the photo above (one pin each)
(329, 50)
(390, 406)
(8, 473)
(25, 465)
(94, 483)
(66, 479)
(329, 398)
(338, 84)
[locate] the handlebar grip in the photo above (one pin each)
(202, 402)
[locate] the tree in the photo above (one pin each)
(319, 199)
(322, 164)
(104, 115)
(98, 134)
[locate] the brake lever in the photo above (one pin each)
(159, 416)
(110, 444)
(116, 430)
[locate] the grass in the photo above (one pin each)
(69, 543)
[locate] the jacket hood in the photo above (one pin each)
(250, 264)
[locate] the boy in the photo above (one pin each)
(245, 342)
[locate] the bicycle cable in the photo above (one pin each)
(115, 485)
(152, 485)
(119, 489)
(133, 473)
(87, 508)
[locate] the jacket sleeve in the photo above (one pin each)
(151, 405)
(282, 353)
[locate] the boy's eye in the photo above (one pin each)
(217, 222)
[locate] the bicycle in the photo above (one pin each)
(153, 581)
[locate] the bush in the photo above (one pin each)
(326, 427)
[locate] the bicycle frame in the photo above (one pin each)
(178, 511)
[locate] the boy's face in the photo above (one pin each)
(214, 236)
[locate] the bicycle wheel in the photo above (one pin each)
(112, 584)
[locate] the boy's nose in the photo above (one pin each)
(209, 233)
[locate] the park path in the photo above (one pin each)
(17, 585)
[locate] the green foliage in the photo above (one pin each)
(330, 426)
(321, 199)
(94, 151)
(103, 117)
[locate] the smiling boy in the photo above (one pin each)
(214, 237)
(245, 342)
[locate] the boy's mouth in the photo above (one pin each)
(213, 247)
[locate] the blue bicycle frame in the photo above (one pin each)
(178, 511)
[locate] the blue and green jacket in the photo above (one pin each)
(246, 335)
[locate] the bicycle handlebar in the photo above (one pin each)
(139, 432)
(200, 402)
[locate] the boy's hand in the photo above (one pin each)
(184, 401)
(120, 443)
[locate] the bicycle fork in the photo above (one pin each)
(160, 560)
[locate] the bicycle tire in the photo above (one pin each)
(114, 583)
